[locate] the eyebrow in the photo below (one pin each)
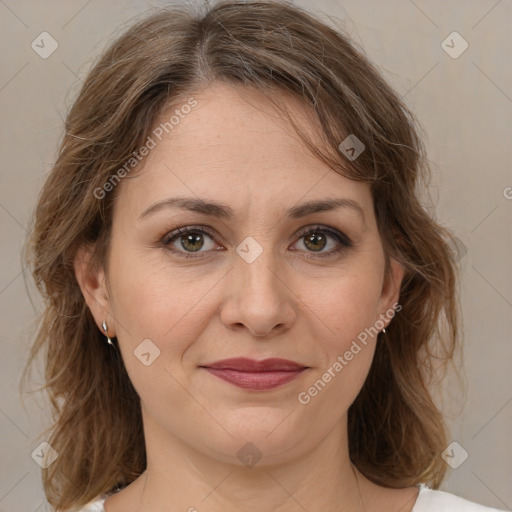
(223, 211)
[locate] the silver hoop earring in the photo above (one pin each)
(105, 328)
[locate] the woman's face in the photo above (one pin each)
(255, 284)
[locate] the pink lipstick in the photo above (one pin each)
(256, 375)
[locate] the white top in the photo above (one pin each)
(429, 500)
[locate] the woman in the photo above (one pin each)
(246, 300)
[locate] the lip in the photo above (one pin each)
(256, 375)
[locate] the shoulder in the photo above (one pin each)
(430, 500)
(94, 506)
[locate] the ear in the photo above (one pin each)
(92, 282)
(390, 294)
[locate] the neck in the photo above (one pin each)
(178, 477)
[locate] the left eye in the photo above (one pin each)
(191, 239)
(317, 239)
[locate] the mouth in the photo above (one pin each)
(256, 375)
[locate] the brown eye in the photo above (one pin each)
(189, 240)
(317, 239)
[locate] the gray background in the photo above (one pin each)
(465, 106)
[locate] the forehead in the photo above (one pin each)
(235, 146)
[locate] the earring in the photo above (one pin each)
(105, 328)
(384, 330)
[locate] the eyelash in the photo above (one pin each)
(343, 240)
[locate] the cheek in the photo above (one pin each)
(346, 306)
(347, 313)
(152, 301)
(167, 311)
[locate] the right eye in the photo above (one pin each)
(188, 240)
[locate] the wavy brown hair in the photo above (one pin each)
(396, 431)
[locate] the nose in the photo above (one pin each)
(258, 298)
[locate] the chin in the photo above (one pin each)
(260, 435)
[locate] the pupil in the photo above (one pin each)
(315, 238)
(192, 239)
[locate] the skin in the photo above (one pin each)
(234, 148)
